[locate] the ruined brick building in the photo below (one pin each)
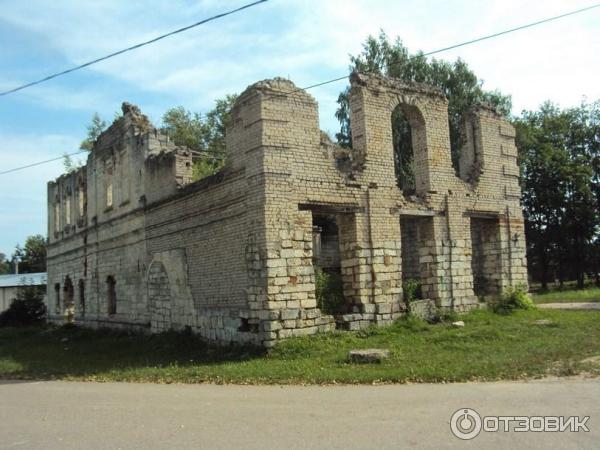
(134, 243)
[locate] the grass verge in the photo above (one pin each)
(489, 347)
(568, 296)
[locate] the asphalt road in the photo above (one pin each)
(70, 415)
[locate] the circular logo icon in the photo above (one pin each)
(465, 423)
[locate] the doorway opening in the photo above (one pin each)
(327, 264)
(485, 256)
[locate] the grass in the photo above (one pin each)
(489, 347)
(590, 294)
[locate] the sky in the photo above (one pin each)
(307, 41)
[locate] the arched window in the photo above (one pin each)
(404, 158)
(56, 216)
(82, 297)
(81, 198)
(57, 298)
(69, 292)
(109, 195)
(111, 294)
(68, 211)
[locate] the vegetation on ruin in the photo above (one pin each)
(411, 290)
(511, 299)
(559, 157)
(329, 291)
(456, 80)
(489, 347)
(204, 134)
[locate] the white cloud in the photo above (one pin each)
(19, 150)
(23, 193)
(306, 40)
(313, 42)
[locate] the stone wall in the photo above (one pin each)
(231, 256)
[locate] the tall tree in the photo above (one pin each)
(4, 264)
(558, 152)
(203, 134)
(461, 86)
(31, 258)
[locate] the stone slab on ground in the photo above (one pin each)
(368, 355)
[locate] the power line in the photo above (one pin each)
(462, 44)
(421, 55)
(42, 162)
(134, 47)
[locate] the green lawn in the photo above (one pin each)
(591, 294)
(489, 347)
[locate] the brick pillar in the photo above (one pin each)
(272, 124)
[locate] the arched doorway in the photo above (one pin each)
(69, 293)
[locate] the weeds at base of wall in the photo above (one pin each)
(511, 299)
(411, 289)
(329, 291)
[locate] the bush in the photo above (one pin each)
(511, 299)
(329, 291)
(27, 309)
(412, 291)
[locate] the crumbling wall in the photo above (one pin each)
(232, 256)
(105, 235)
(207, 221)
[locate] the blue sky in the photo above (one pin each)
(308, 41)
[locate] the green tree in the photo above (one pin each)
(558, 154)
(27, 309)
(94, 129)
(4, 264)
(32, 257)
(460, 85)
(203, 134)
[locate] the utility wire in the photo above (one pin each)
(420, 55)
(42, 162)
(462, 44)
(134, 47)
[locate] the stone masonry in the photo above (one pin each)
(134, 243)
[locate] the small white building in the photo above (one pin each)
(10, 284)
